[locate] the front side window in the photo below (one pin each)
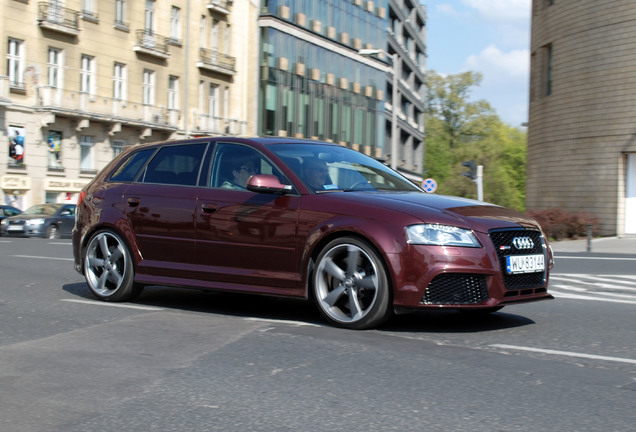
(87, 153)
(234, 164)
(175, 165)
(15, 63)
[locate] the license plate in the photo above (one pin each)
(524, 264)
(14, 228)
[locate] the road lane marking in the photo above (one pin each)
(565, 353)
(275, 321)
(563, 295)
(119, 305)
(43, 257)
(594, 258)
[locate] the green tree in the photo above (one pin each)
(458, 130)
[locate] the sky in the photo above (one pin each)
(487, 36)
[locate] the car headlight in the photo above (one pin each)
(441, 235)
(35, 222)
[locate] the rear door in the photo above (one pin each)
(246, 240)
(160, 207)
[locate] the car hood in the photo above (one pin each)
(462, 212)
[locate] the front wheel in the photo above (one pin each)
(108, 268)
(350, 284)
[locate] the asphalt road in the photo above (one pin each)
(182, 360)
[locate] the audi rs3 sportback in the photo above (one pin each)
(304, 219)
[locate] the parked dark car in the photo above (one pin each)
(300, 218)
(50, 220)
(6, 211)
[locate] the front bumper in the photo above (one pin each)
(468, 278)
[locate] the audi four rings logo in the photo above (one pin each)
(523, 242)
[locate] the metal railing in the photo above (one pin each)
(217, 59)
(52, 13)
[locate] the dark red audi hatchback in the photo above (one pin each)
(299, 218)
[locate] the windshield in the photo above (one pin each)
(42, 209)
(325, 168)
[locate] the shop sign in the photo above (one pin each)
(12, 182)
(64, 185)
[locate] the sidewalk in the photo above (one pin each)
(613, 245)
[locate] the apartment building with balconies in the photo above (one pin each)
(85, 78)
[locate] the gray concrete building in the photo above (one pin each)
(582, 124)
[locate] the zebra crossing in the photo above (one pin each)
(607, 288)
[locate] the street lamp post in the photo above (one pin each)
(395, 100)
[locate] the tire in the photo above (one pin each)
(52, 232)
(108, 268)
(350, 285)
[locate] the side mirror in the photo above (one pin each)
(267, 183)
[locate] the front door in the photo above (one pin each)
(246, 238)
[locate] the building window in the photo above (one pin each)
(118, 146)
(213, 106)
(119, 81)
(173, 92)
(227, 38)
(148, 87)
(54, 68)
(87, 150)
(87, 75)
(15, 63)
(214, 35)
(175, 24)
(88, 8)
(202, 32)
(54, 142)
(149, 16)
(120, 13)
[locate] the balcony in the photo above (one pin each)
(215, 61)
(59, 19)
(87, 107)
(147, 42)
(212, 125)
(220, 6)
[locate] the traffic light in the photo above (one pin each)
(472, 169)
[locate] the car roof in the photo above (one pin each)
(262, 140)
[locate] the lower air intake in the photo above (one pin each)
(455, 289)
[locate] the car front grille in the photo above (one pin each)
(456, 288)
(503, 242)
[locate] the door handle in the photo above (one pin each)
(133, 202)
(209, 208)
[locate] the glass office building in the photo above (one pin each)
(313, 81)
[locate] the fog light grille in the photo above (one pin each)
(455, 289)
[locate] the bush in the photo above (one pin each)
(559, 224)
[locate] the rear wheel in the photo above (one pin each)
(52, 232)
(108, 268)
(350, 284)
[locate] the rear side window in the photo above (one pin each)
(175, 165)
(129, 169)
